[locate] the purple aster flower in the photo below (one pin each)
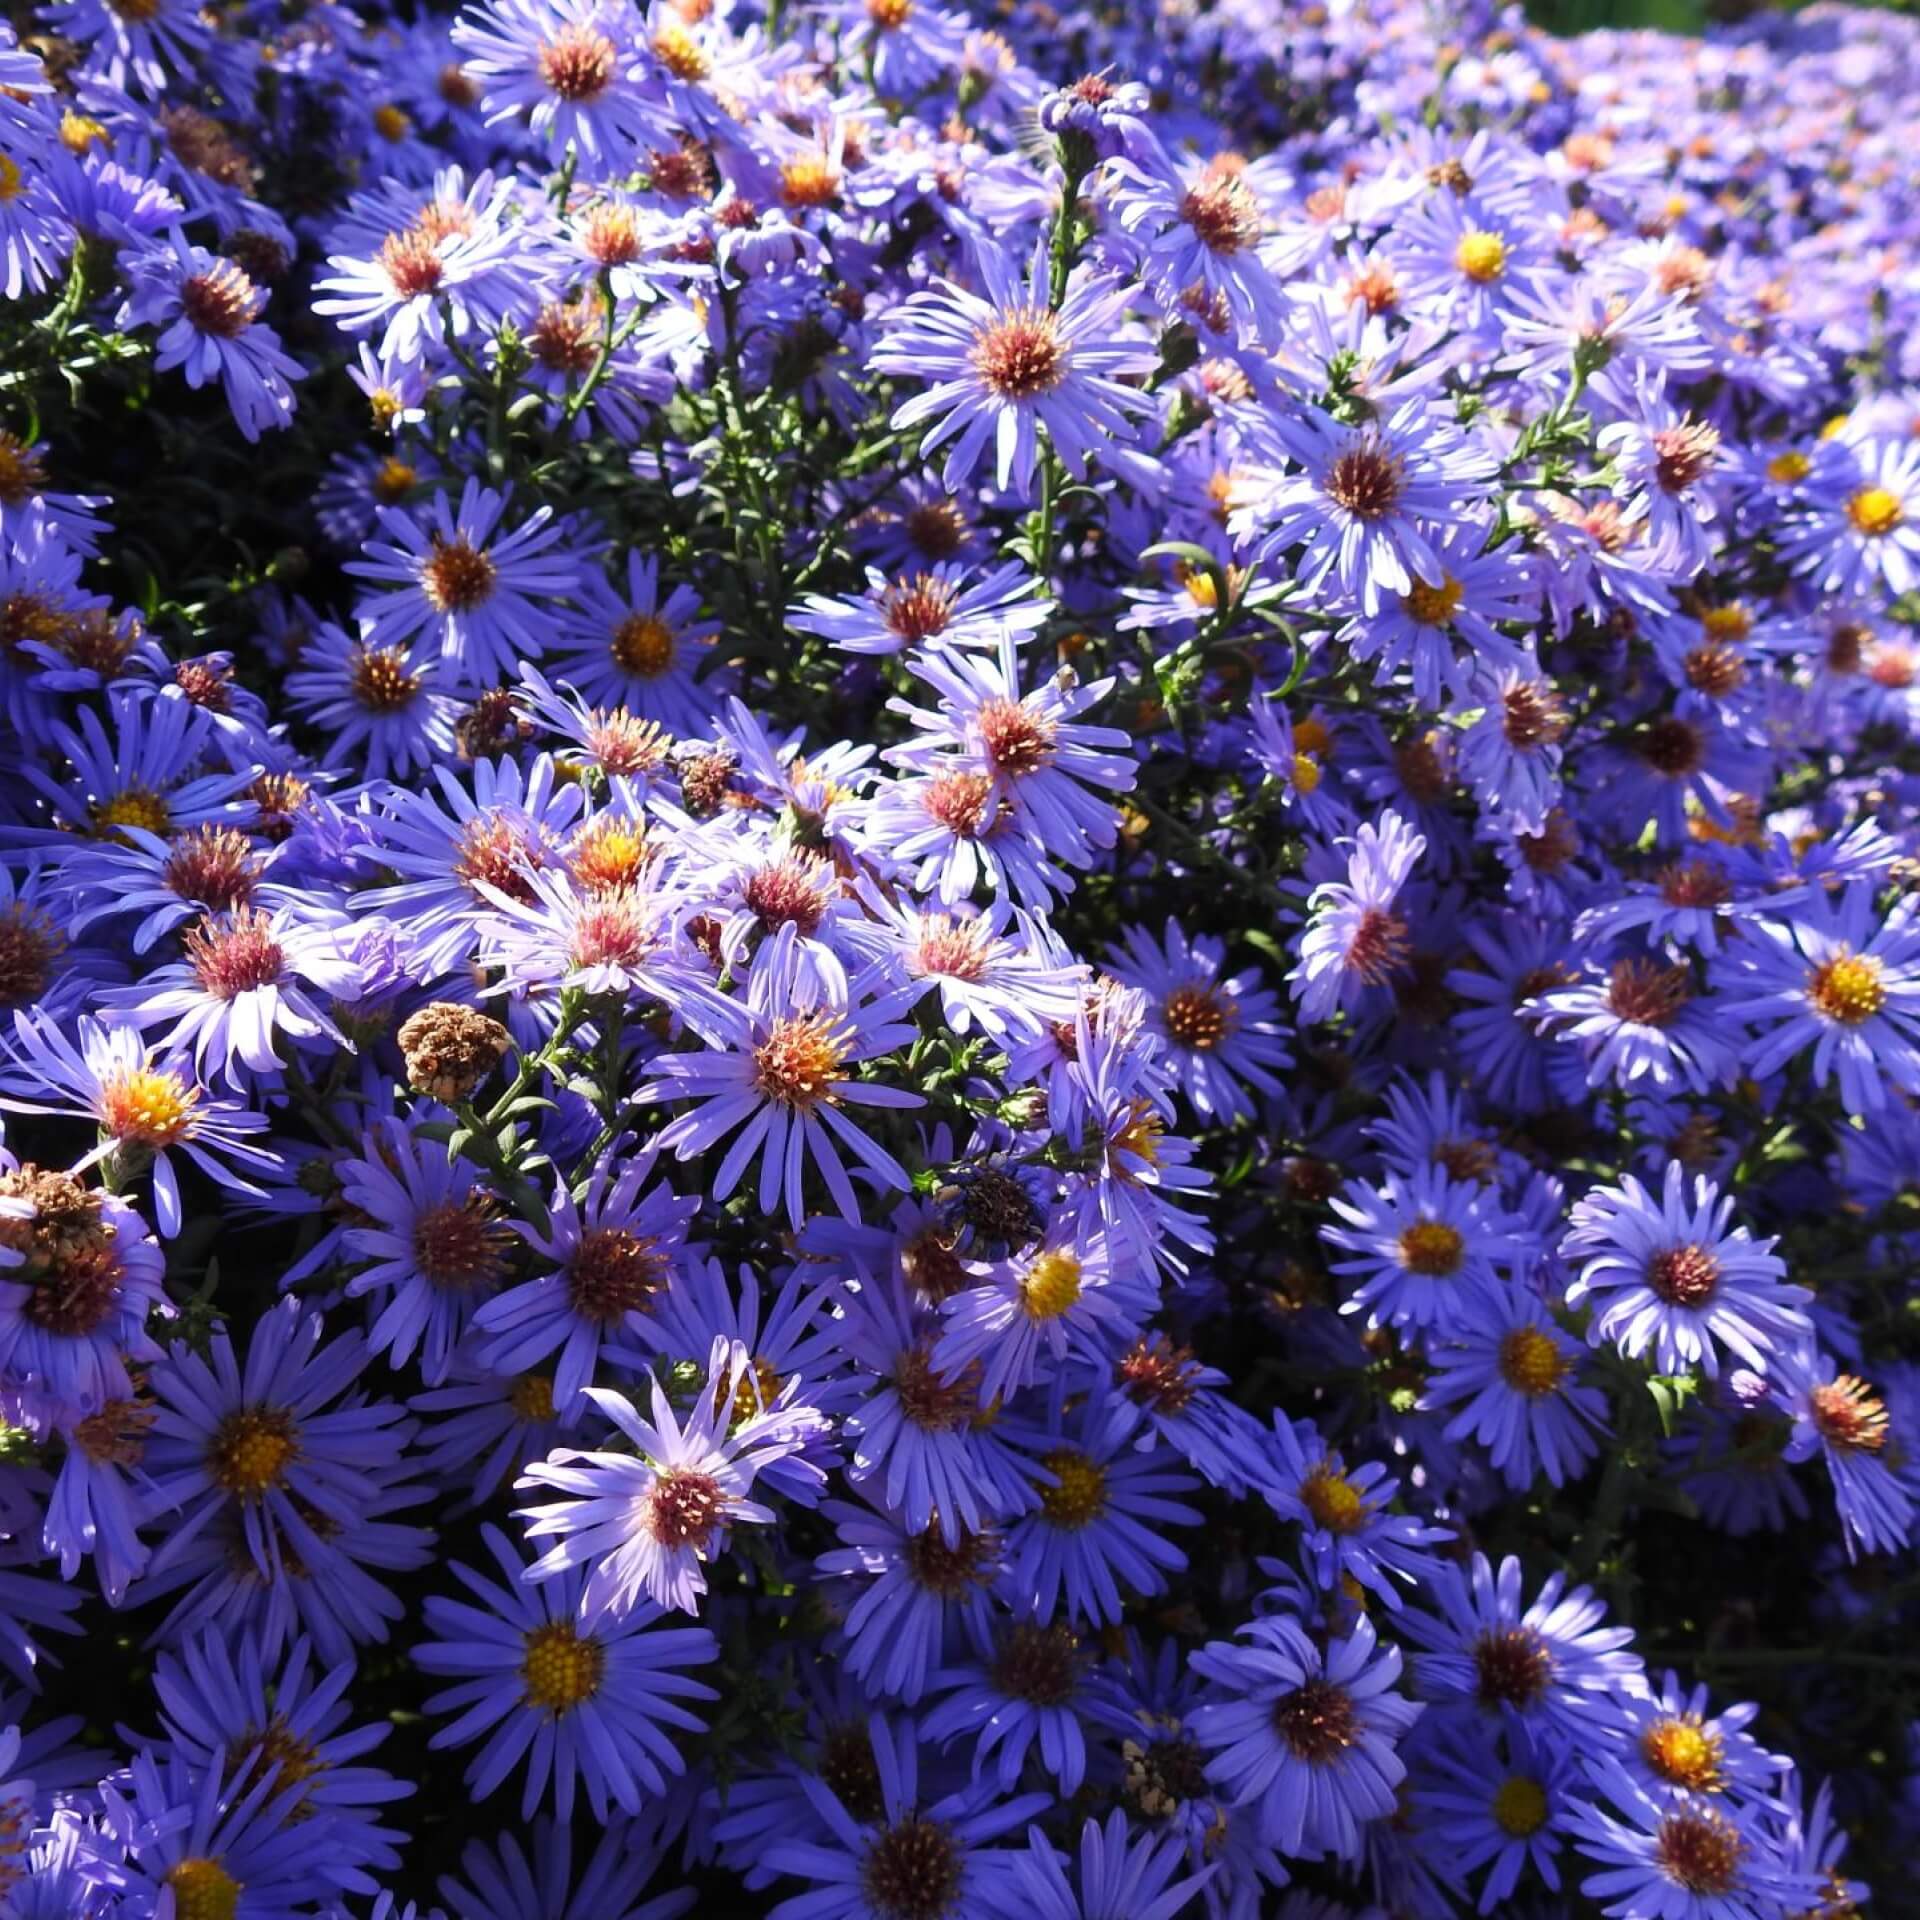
(265, 1440)
(198, 872)
(98, 1497)
(424, 274)
(501, 1881)
(1840, 1417)
(143, 768)
(1640, 1021)
(1025, 1696)
(79, 1276)
(1678, 1856)
(1005, 363)
(637, 650)
(152, 49)
(36, 233)
(1368, 504)
(1162, 1387)
(1833, 976)
(436, 1248)
(483, 1428)
(1308, 1737)
(994, 969)
(915, 1593)
(1502, 1800)
(1511, 754)
(644, 1523)
(1199, 234)
(385, 708)
(564, 68)
(1456, 259)
(903, 1847)
(1438, 636)
(233, 1706)
(1141, 1171)
(782, 1071)
(207, 312)
(485, 594)
(551, 933)
(1114, 1876)
(16, 1813)
(904, 46)
(1667, 460)
(1101, 1521)
(604, 1256)
(1220, 1030)
(593, 1703)
(1059, 1299)
(1677, 1277)
(443, 848)
(189, 1839)
(1545, 1664)
(248, 976)
(1043, 766)
(790, 1335)
(1354, 940)
(1515, 1378)
(929, 608)
(924, 1445)
(1347, 1532)
(1861, 530)
(1427, 1248)
(1112, 116)
(1671, 1740)
(145, 1106)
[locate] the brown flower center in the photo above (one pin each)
(1318, 1722)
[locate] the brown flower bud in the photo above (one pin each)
(450, 1049)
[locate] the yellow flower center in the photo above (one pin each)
(131, 807)
(203, 1890)
(532, 1397)
(1684, 1754)
(1531, 1362)
(1847, 989)
(142, 1107)
(643, 644)
(1432, 1248)
(1433, 606)
(1080, 1496)
(80, 133)
(680, 53)
(1875, 512)
(1306, 773)
(1481, 256)
(1333, 1499)
(1520, 1806)
(252, 1449)
(1785, 468)
(759, 1388)
(391, 122)
(1052, 1285)
(10, 179)
(560, 1669)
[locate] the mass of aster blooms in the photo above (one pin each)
(957, 966)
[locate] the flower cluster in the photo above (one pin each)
(957, 964)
